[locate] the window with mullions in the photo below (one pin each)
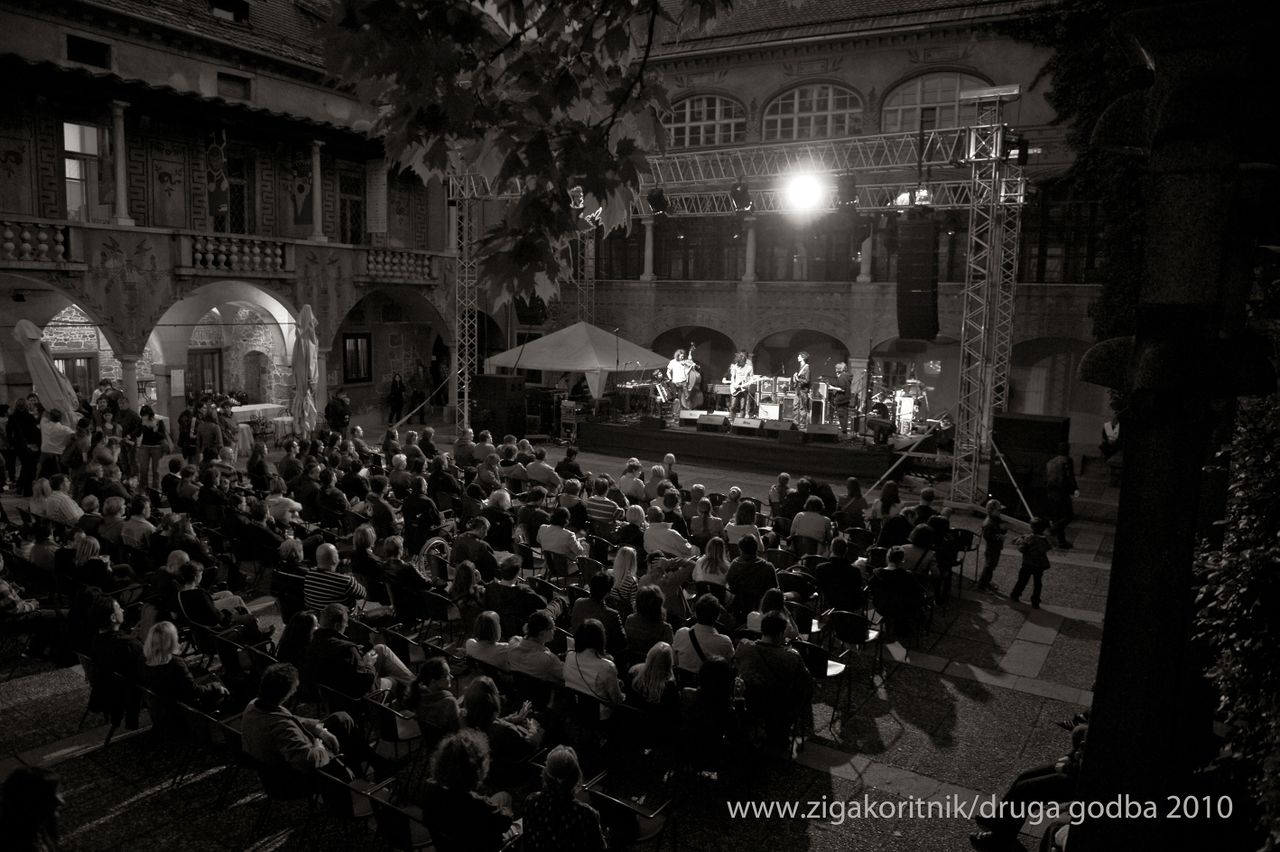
(929, 101)
(706, 120)
(80, 370)
(351, 208)
(83, 146)
(204, 370)
(822, 250)
(813, 112)
(239, 218)
(357, 358)
(698, 249)
(621, 255)
(1060, 239)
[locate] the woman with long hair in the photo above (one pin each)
(704, 526)
(258, 469)
(625, 583)
(853, 503)
(466, 590)
(395, 398)
(713, 565)
(654, 680)
(554, 819)
(885, 506)
(153, 441)
(744, 523)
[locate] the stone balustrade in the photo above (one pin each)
(223, 254)
(33, 241)
(398, 264)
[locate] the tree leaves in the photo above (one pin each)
(550, 93)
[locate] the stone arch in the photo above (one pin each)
(264, 319)
(400, 327)
(713, 349)
(775, 353)
(1043, 379)
(41, 300)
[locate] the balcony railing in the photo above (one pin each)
(221, 254)
(31, 241)
(393, 264)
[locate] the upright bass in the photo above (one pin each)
(691, 392)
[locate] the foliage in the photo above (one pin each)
(539, 95)
(1090, 68)
(1238, 602)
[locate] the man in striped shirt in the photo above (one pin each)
(325, 585)
(599, 507)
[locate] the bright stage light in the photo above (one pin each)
(804, 192)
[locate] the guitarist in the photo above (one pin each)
(740, 382)
(800, 381)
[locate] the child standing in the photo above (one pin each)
(993, 539)
(1035, 549)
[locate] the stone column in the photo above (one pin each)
(129, 378)
(322, 381)
(648, 275)
(164, 404)
(864, 268)
(119, 155)
(317, 196)
(749, 273)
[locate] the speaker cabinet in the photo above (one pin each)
(1027, 442)
(746, 425)
(712, 423)
(918, 279)
(491, 386)
(689, 416)
(823, 433)
(772, 427)
(770, 411)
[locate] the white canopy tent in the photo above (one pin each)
(580, 348)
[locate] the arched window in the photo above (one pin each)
(706, 120)
(813, 112)
(931, 101)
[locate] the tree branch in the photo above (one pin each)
(644, 62)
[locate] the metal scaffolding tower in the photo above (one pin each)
(986, 328)
(466, 317)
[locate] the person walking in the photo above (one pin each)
(1060, 486)
(395, 399)
(1035, 548)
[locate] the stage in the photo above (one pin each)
(830, 462)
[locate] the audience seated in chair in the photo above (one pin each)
(531, 656)
(750, 576)
(431, 699)
(325, 585)
(779, 688)
(595, 606)
(485, 644)
(458, 817)
(554, 820)
(694, 645)
(335, 661)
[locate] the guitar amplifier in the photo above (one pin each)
(768, 386)
(724, 388)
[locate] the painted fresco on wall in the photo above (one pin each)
(219, 186)
(297, 192)
(168, 186)
(15, 172)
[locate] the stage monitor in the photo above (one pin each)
(712, 423)
(825, 433)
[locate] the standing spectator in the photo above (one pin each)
(54, 437)
(8, 458)
(395, 399)
(338, 412)
(993, 537)
(1060, 486)
(186, 432)
(24, 435)
(153, 442)
(130, 427)
(1035, 549)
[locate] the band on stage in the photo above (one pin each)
(808, 396)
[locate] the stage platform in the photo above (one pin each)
(830, 462)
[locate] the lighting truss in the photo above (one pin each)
(466, 317)
(986, 327)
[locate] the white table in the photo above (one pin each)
(245, 413)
